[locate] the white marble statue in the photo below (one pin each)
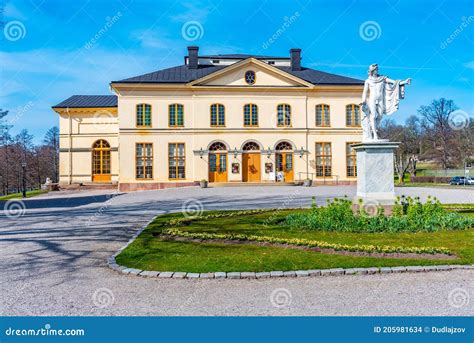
(381, 96)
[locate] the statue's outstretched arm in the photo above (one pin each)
(403, 82)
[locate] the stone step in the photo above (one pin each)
(249, 184)
(90, 186)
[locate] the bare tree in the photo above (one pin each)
(439, 132)
(406, 156)
(51, 142)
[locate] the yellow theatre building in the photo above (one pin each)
(222, 118)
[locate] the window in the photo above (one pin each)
(284, 146)
(101, 157)
(250, 115)
(284, 115)
(177, 161)
(144, 160)
(250, 77)
(352, 115)
(251, 146)
(271, 62)
(323, 115)
(323, 159)
(218, 146)
(143, 115)
(176, 115)
(351, 161)
(217, 115)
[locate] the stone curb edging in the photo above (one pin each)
(112, 263)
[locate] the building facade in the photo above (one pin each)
(221, 118)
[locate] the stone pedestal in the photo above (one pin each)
(375, 172)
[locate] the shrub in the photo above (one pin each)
(409, 215)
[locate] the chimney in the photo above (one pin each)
(295, 55)
(193, 57)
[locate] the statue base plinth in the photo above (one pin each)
(375, 178)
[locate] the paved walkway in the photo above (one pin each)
(53, 261)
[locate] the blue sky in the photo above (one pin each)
(430, 41)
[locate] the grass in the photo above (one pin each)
(149, 252)
(29, 194)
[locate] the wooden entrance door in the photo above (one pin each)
(284, 163)
(101, 161)
(251, 167)
(218, 167)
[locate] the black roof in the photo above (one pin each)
(84, 101)
(182, 74)
(243, 57)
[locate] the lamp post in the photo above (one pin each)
(23, 167)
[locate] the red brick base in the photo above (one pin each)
(335, 183)
(131, 187)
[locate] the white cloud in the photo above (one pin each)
(469, 65)
(13, 12)
(192, 11)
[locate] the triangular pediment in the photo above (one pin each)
(265, 76)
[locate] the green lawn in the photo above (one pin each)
(149, 252)
(29, 194)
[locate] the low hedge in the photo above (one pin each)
(430, 179)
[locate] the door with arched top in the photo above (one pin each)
(218, 162)
(251, 162)
(101, 161)
(284, 161)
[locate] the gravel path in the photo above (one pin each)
(53, 261)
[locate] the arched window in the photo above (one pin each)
(284, 115)
(323, 115)
(176, 115)
(143, 115)
(101, 143)
(101, 161)
(218, 146)
(284, 146)
(250, 115)
(251, 146)
(352, 115)
(217, 115)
